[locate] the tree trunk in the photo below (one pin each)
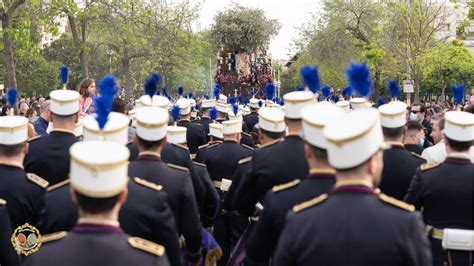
(127, 75)
(83, 54)
(79, 43)
(376, 84)
(8, 55)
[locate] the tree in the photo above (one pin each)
(243, 29)
(7, 11)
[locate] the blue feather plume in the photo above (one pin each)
(394, 89)
(335, 98)
(281, 103)
(359, 78)
(190, 95)
(240, 98)
(103, 103)
(347, 91)
(206, 97)
(252, 92)
(158, 92)
(260, 93)
(213, 113)
(310, 77)
(151, 84)
(299, 88)
(326, 90)
(217, 91)
(164, 91)
(11, 97)
(232, 100)
(260, 104)
(381, 101)
(180, 90)
(175, 112)
(458, 93)
(270, 91)
(64, 74)
(235, 109)
(245, 102)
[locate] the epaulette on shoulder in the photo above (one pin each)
(286, 186)
(246, 134)
(203, 146)
(37, 180)
(309, 203)
(270, 143)
(428, 166)
(200, 164)
(245, 160)
(247, 146)
(58, 185)
(53, 236)
(417, 155)
(174, 166)
(147, 184)
(212, 145)
(181, 146)
(145, 245)
(198, 124)
(34, 138)
(397, 203)
(3, 202)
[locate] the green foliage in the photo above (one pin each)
(37, 76)
(461, 28)
(470, 15)
(243, 29)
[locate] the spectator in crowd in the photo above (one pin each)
(469, 108)
(23, 108)
(41, 124)
(31, 115)
(120, 106)
(471, 99)
(86, 90)
(418, 113)
(414, 137)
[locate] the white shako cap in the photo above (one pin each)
(64, 102)
(192, 102)
(393, 114)
(222, 98)
(353, 138)
(358, 103)
(176, 135)
(115, 130)
(216, 130)
(253, 103)
(344, 105)
(156, 101)
(223, 107)
(271, 119)
(79, 127)
(151, 123)
(315, 117)
(297, 100)
(459, 126)
(233, 116)
(13, 130)
(245, 110)
(208, 103)
(231, 127)
(184, 106)
(99, 169)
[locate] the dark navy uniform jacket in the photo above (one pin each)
(399, 166)
(24, 194)
(251, 120)
(195, 135)
(445, 193)
(145, 214)
(211, 200)
(245, 166)
(48, 156)
(353, 226)
(246, 139)
(264, 236)
(176, 181)
(204, 121)
(9, 255)
(97, 245)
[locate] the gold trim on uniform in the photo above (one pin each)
(203, 146)
(293, 134)
(271, 143)
(245, 160)
(393, 115)
(149, 153)
(101, 194)
(417, 155)
(200, 164)
(109, 222)
(312, 99)
(99, 167)
(147, 184)
(322, 171)
(246, 134)
(53, 236)
(26, 239)
(63, 101)
(309, 203)
(247, 146)
(286, 186)
(178, 167)
(428, 166)
(151, 125)
(3, 202)
(12, 129)
(145, 245)
(58, 185)
(62, 130)
(34, 138)
(13, 164)
(213, 145)
(397, 203)
(37, 180)
(358, 136)
(354, 182)
(180, 146)
(463, 125)
(101, 132)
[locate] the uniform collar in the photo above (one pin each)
(91, 225)
(354, 185)
(61, 130)
(149, 155)
(458, 158)
(230, 141)
(321, 173)
(394, 144)
(293, 134)
(12, 164)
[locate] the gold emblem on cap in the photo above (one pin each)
(358, 136)
(26, 239)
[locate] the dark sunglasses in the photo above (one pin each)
(415, 112)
